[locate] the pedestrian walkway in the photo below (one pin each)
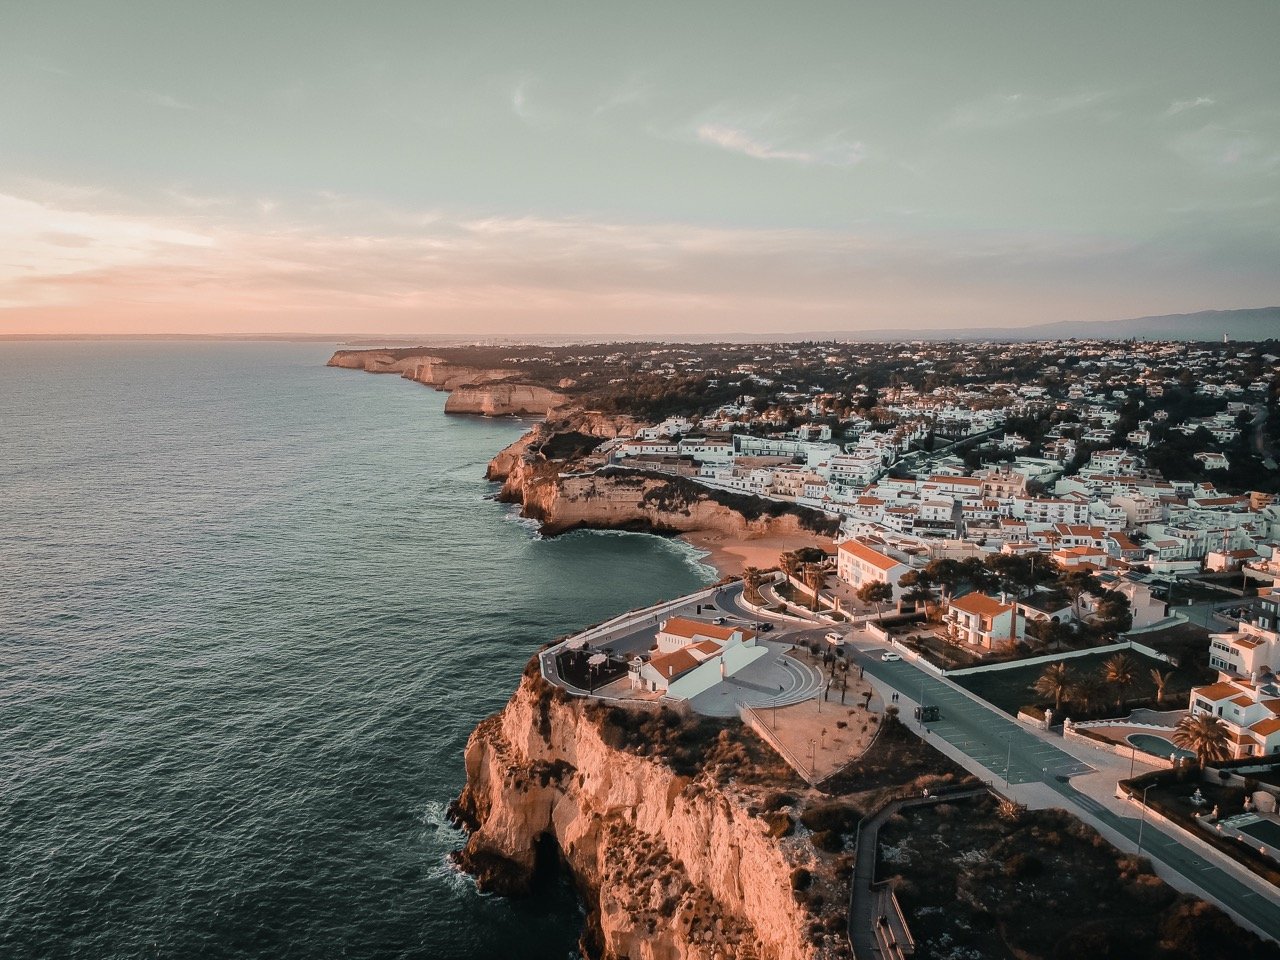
(875, 932)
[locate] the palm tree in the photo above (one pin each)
(1056, 682)
(1204, 735)
(1089, 691)
(1120, 672)
(789, 563)
(815, 578)
(751, 578)
(1161, 680)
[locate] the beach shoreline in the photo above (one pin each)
(729, 555)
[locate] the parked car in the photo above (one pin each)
(719, 621)
(890, 657)
(835, 638)
(766, 627)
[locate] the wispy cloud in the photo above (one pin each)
(836, 154)
(527, 108)
(166, 100)
(491, 273)
(1006, 109)
(1181, 106)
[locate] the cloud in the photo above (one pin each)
(1007, 109)
(1238, 149)
(1180, 106)
(523, 106)
(168, 101)
(837, 154)
(405, 270)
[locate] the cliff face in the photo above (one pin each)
(671, 867)
(619, 500)
(372, 361)
(503, 399)
(491, 392)
(444, 375)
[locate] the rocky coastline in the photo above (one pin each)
(668, 849)
(486, 391)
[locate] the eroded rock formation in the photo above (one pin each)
(670, 867)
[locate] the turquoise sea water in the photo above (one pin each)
(250, 609)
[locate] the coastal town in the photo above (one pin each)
(1052, 565)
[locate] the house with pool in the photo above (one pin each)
(1250, 710)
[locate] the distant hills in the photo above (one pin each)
(1260, 323)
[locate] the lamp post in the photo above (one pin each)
(1008, 757)
(813, 757)
(1143, 822)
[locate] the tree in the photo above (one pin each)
(876, 592)
(1056, 681)
(1089, 691)
(814, 576)
(1161, 680)
(751, 580)
(919, 586)
(1204, 735)
(944, 572)
(789, 562)
(1120, 672)
(1077, 584)
(1114, 613)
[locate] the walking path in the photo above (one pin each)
(867, 935)
(1039, 772)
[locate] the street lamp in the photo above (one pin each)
(1143, 822)
(1008, 757)
(813, 757)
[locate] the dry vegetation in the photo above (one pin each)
(975, 885)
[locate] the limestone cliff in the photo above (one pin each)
(564, 497)
(372, 361)
(489, 391)
(503, 399)
(443, 375)
(671, 867)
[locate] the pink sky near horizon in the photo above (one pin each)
(85, 268)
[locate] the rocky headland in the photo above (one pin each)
(664, 823)
(552, 474)
(487, 391)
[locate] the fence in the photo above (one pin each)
(1055, 657)
(757, 723)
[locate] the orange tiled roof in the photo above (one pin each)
(872, 556)
(673, 664)
(1266, 727)
(689, 628)
(1217, 691)
(981, 605)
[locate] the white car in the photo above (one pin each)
(835, 638)
(890, 657)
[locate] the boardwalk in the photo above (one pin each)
(871, 938)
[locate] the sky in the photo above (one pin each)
(596, 168)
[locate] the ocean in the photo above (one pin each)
(250, 609)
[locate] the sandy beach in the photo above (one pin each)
(729, 555)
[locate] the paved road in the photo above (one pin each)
(997, 743)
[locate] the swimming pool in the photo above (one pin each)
(1266, 831)
(1157, 746)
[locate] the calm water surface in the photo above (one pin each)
(250, 608)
